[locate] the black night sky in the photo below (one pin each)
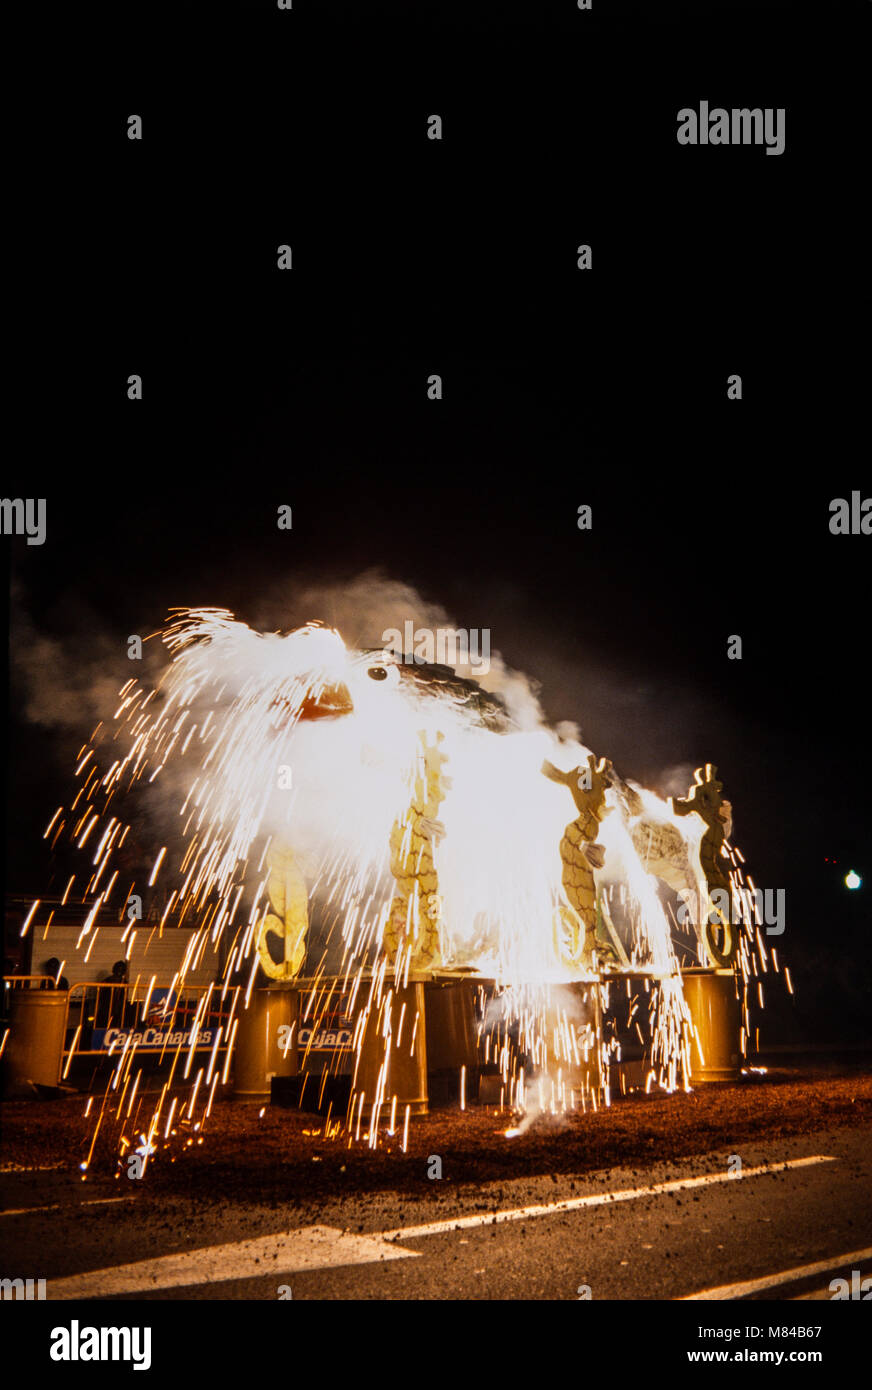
(412, 257)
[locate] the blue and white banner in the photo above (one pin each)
(325, 1037)
(102, 1039)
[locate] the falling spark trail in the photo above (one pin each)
(229, 709)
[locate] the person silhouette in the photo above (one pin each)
(52, 967)
(110, 1004)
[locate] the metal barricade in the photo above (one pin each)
(13, 982)
(106, 1018)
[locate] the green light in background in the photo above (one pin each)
(852, 880)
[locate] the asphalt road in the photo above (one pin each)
(796, 1217)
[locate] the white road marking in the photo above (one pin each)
(56, 1206)
(311, 1247)
(596, 1199)
(324, 1247)
(784, 1276)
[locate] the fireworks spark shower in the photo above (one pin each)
(350, 805)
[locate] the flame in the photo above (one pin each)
(234, 713)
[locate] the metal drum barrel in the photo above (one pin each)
(35, 1046)
(582, 1075)
(712, 999)
(452, 1038)
(260, 1052)
(399, 1017)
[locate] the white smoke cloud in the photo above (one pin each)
(68, 685)
(675, 780)
(370, 604)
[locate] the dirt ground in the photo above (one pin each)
(284, 1155)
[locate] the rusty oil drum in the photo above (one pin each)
(712, 998)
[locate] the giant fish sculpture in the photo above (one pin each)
(442, 830)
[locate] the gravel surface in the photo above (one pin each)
(284, 1155)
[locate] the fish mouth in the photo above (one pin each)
(330, 702)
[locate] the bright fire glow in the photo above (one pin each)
(229, 743)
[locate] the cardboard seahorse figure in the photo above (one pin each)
(288, 916)
(415, 915)
(705, 799)
(576, 919)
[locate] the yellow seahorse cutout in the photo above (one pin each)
(575, 922)
(415, 915)
(288, 916)
(704, 797)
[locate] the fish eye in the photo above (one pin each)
(381, 672)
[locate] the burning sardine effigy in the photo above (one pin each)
(392, 811)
